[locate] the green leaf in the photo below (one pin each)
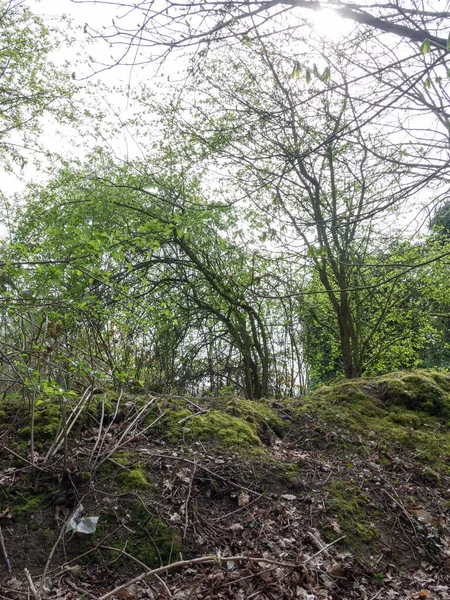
(308, 75)
(427, 83)
(425, 47)
(296, 70)
(326, 75)
(448, 42)
(247, 40)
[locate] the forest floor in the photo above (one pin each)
(343, 494)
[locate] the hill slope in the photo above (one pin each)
(343, 494)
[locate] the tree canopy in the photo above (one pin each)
(267, 238)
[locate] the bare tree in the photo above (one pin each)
(170, 24)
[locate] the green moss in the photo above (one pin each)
(354, 513)
(47, 419)
(291, 472)
(122, 458)
(407, 418)
(255, 412)
(154, 542)
(149, 539)
(422, 390)
(379, 411)
(133, 479)
(222, 429)
(26, 507)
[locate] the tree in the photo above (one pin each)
(395, 59)
(383, 78)
(440, 220)
(321, 198)
(127, 236)
(30, 84)
(175, 25)
(396, 319)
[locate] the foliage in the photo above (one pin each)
(30, 84)
(395, 307)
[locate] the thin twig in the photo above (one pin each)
(24, 459)
(233, 512)
(123, 440)
(79, 590)
(136, 560)
(305, 562)
(53, 550)
(110, 424)
(5, 554)
(201, 412)
(186, 504)
(191, 462)
(73, 418)
(99, 436)
(31, 584)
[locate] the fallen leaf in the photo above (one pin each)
(128, 593)
(335, 526)
(243, 499)
(424, 516)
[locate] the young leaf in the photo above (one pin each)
(296, 70)
(425, 47)
(326, 75)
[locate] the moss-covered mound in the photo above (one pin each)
(409, 410)
(236, 424)
(424, 391)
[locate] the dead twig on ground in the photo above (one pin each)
(32, 586)
(323, 549)
(214, 559)
(136, 560)
(216, 475)
(53, 550)
(24, 459)
(186, 502)
(233, 512)
(72, 585)
(5, 554)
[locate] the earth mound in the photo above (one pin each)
(342, 494)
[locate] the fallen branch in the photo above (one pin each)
(212, 559)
